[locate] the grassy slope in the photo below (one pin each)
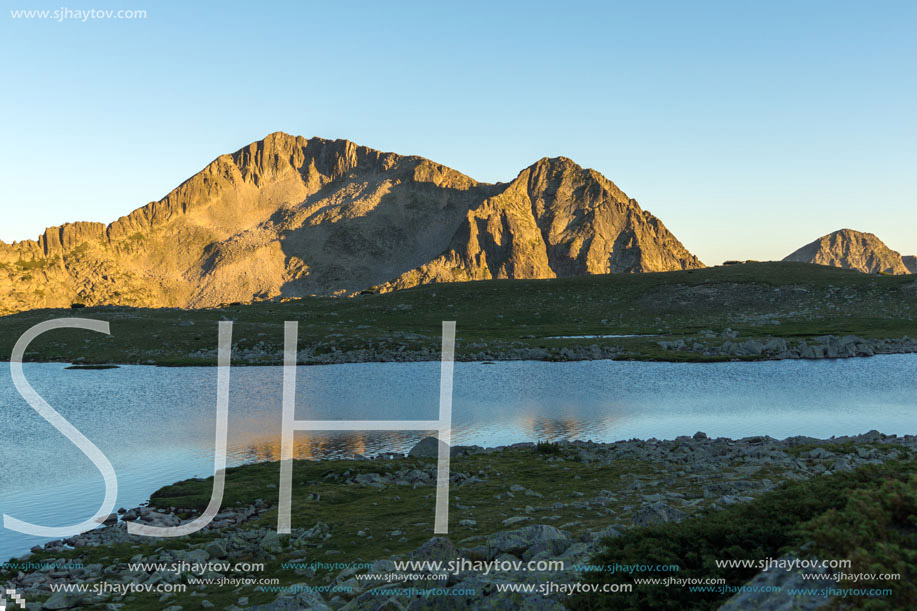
(868, 516)
(348, 509)
(817, 510)
(805, 300)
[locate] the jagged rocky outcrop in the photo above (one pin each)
(554, 219)
(852, 250)
(289, 217)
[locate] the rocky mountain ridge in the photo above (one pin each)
(857, 250)
(910, 262)
(290, 217)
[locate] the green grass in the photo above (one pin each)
(806, 301)
(547, 447)
(868, 515)
(36, 264)
(348, 509)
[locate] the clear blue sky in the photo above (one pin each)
(749, 128)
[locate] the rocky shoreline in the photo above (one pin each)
(778, 348)
(707, 346)
(688, 475)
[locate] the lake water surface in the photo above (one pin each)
(156, 424)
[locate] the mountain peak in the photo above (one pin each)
(556, 161)
(851, 249)
(287, 216)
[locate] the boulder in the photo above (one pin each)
(757, 595)
(436, 548)
(270, 542)
(776, 345)
(517, 541)
(216, 549)
(428, 447)
(657, 513)
(299, 597)
(63, 600)
(370, 479)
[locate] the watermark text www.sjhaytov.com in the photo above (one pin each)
(83, 15)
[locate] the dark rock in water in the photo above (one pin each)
(92, 367)
(428, 447)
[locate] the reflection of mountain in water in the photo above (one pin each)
(334, 444)
(548, 429)
(329, 445)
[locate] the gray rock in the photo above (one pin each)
(753, 347)
(63, 600)
(270, 542)
(605, 533)
(776, 345)
(778, 578)
(316, 531)
(517, 541)
(216, 549)
(370, 479)
(428, 447)
(435, 548)
(295, 601)
(657, 513)
(196, 556)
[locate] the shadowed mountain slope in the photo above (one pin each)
(910, 262)
(290, 217)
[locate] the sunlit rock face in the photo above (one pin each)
(852, 250)
(290, 217)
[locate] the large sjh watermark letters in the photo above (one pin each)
(442, 426)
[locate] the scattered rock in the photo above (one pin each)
(657, 513)
(428, 447)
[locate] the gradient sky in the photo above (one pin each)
(749, 128)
